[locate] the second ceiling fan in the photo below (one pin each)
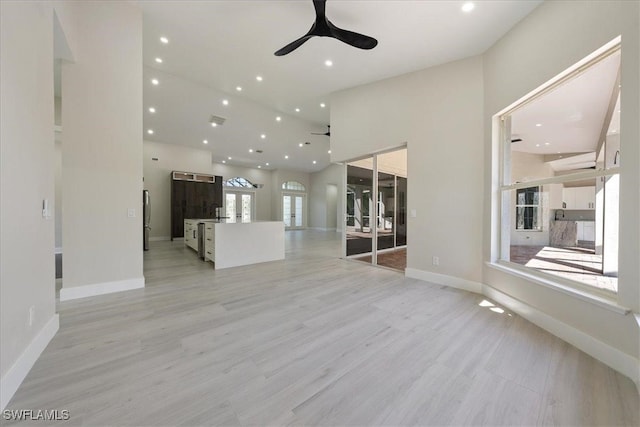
(322, 27)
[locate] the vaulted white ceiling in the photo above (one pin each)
(216, 46)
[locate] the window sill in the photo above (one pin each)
(602, 301)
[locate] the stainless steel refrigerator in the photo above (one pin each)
(146, 221)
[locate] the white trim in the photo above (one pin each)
(557, 285)
(21, 367)
(322, 229)
(610, 356)
(159, 238)
(57, 250)
(443, 279)
(100, 289)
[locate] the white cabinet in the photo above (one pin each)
(579, 197)
(586, 231)
(191, 233)
(209, 242)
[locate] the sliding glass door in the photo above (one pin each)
(376, 208)
(360, 212)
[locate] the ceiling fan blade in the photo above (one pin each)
(293, 45)
(354, 39)
(320, 6)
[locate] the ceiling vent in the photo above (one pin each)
(219, 121)
(259, 151)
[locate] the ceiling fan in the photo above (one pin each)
(327, 133)
(322, 27)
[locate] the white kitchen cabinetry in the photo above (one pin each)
(586, 231)
(579, 197)
(209, 242)
(191, 233)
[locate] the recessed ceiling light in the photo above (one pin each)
(297, 110)
(239, 88)
(214, 124)
(259, 167)
(300, 145)
(278, 118)
(159, 60)
(150, 131)
(263, 136)
(314, 162)
(328, 63)
(537, 145)
(224, 161)
(204, 141)
(286, 157)
(322, 105)
(329, 151)
(259, 78)
(538, 124)
(152, 110)
(229, 158)
(164, 40)
(251, 150)
(468, 7)
(547, 143)
(154, 82)
(225, 102)
(266, 164)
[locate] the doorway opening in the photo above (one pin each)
(239, 206)
(376, 209)
(294, 205)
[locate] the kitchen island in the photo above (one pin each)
(236, 244)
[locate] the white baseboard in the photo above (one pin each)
(57, 250)
(17, 373)
(443, 279)
(159, 238)
(322, 229)
(610, 356)
(100, 289)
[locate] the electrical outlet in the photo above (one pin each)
(435, 260)
(131, 213)
(32, 314)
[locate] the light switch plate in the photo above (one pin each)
(413, 213)
(131, 213)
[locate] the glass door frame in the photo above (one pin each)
(293, 194)
(374, 201)
(240, 192)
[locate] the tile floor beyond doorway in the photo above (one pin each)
(396, 260)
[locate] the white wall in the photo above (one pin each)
(552, 38)
(102, 149)
(58, 174)
(26, 178)
(438, 113)
(327, 188)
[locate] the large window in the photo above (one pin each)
(559, 174)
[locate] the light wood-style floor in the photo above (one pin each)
(312, 340)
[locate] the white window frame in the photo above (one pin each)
(501, 229)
